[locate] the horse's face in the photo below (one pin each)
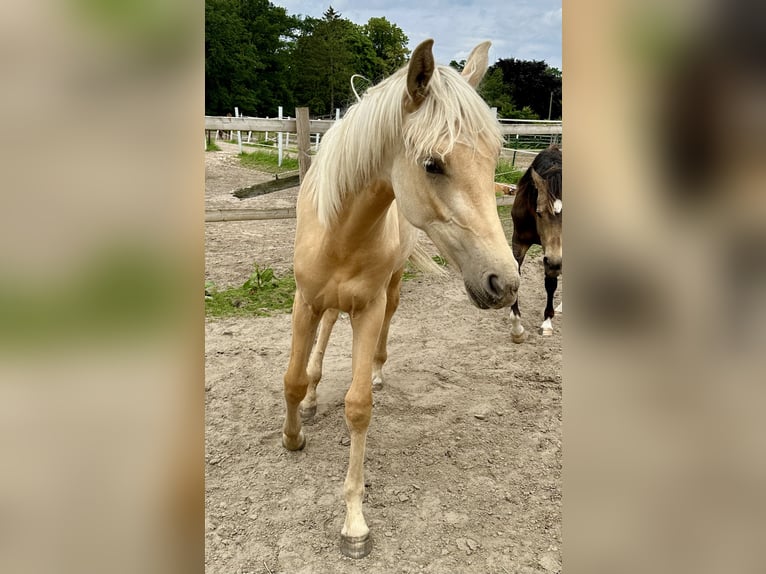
(451, 196)
(548, 216)
(453, 201)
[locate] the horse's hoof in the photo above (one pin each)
(377, 383)
(546, 332)
(294, 444)
(355, 546)
(307, 413)
(518, 338)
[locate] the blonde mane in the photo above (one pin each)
(356, 150)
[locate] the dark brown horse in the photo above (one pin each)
(536, 214)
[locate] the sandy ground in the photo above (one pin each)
(463, 465)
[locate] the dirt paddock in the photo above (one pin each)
(463, 465)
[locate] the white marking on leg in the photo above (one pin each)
(377, 376)
(547, 327)
(557, 206)
(517, 330)
(353, 489)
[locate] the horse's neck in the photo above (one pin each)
(363, 213)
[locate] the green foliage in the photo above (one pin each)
(524, 113)
(532, 86)
(212, 146)
(390, 45)
(246, 57)
(260, 279)
(505, 172)
(268, 161)
(330, 50)
(496, 93)
(257, 58)
(263, 294)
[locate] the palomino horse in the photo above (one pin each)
(536, 214)
(417, 151)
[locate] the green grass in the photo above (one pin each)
(262, 295)
(212, 146)
(268, 161)
(505, 173)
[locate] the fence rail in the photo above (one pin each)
(243, 124)
(263, 124)
(252, 214)
(303, 126)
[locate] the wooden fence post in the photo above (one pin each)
(304, 140)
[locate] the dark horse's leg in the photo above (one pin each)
(517, 330)
(551, 283)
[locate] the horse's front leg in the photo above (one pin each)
(309, 404)
(366, 324)
(551, 283)
(517, 329)
(305, 322)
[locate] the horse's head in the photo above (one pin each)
(548, 214)
(443, 176)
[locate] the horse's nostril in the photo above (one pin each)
(493, 285)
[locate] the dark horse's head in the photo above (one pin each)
(544, 193)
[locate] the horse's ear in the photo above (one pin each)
(477, 63)
(542, 190)
(419, 72)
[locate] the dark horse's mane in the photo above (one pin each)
(547, 164)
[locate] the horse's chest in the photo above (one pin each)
(349, 281)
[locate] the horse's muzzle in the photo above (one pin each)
(494, 291)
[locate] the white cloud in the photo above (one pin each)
(553, 17)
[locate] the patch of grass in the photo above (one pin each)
(262, 295)
(212, 146)
(534, 251)
(268, 161)
(506, 173)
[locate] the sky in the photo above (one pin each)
(521, 29)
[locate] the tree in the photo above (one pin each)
(532, 84)
(496, 93)
(326, 54)
(245, 56)
(229, 58)
(389, 43)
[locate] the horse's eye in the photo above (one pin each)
(433, 166)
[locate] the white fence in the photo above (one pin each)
(522, 137)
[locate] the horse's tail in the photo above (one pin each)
(421, 260)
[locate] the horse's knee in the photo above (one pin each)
(295, 389)
(358, 410)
